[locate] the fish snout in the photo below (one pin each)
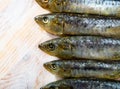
(45, 65)
(37, 18)
(41, 46)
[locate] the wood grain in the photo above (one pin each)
(21, 62)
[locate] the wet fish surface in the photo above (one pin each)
(101, 7)
(83, 84)
(84, 68)
(79, 24)
(87, 47)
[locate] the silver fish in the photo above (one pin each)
(87, 47)
(84, 68)
(101, 7)
(83, 84)
(79, 24)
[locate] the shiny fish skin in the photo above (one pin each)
(101, 7)
(84, 68)
(79, 24)
(83, 84)
(88, 47)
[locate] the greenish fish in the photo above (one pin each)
(87, 47)
(79, 24)
(101, 7)
(83, 84)
(84, 68)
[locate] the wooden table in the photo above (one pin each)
(21, 62)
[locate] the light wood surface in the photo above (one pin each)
(21, 62)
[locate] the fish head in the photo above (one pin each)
(51, 5)
(59, 68)
(60, 47)
(49, 47)
(52, 23)
(57, 85)
(52, 67)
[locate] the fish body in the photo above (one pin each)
(87, 47)
(83, 84)
(101, 7)
(79, 24)
(84, 68)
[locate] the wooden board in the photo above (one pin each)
(21, 62)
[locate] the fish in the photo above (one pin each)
(85, 47)
(84, 68)
(65, 24)
(99, 7)
(83, 84)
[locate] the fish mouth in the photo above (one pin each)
(44, 48)
(42, 88)
(41, 46)
(37, 19)
(47, 66)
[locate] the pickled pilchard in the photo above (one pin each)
(101, 7)
(83, 84)
(83, 68)
(79, 24)
(87, 47)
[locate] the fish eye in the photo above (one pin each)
(53, 66)
(45, 1)
(45, 19)
(51, 47)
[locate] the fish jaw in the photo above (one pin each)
(47, 66)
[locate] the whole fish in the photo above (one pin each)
(84, 68)
(87, 47)
(79, 24)
(101, 7)
(83, 84)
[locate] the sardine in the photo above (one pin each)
(83, 84)
(79, 24)
(87, 47)
(100, 7)
(84, 68)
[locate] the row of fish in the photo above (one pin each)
(91, 48)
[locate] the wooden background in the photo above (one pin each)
(21, 62)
